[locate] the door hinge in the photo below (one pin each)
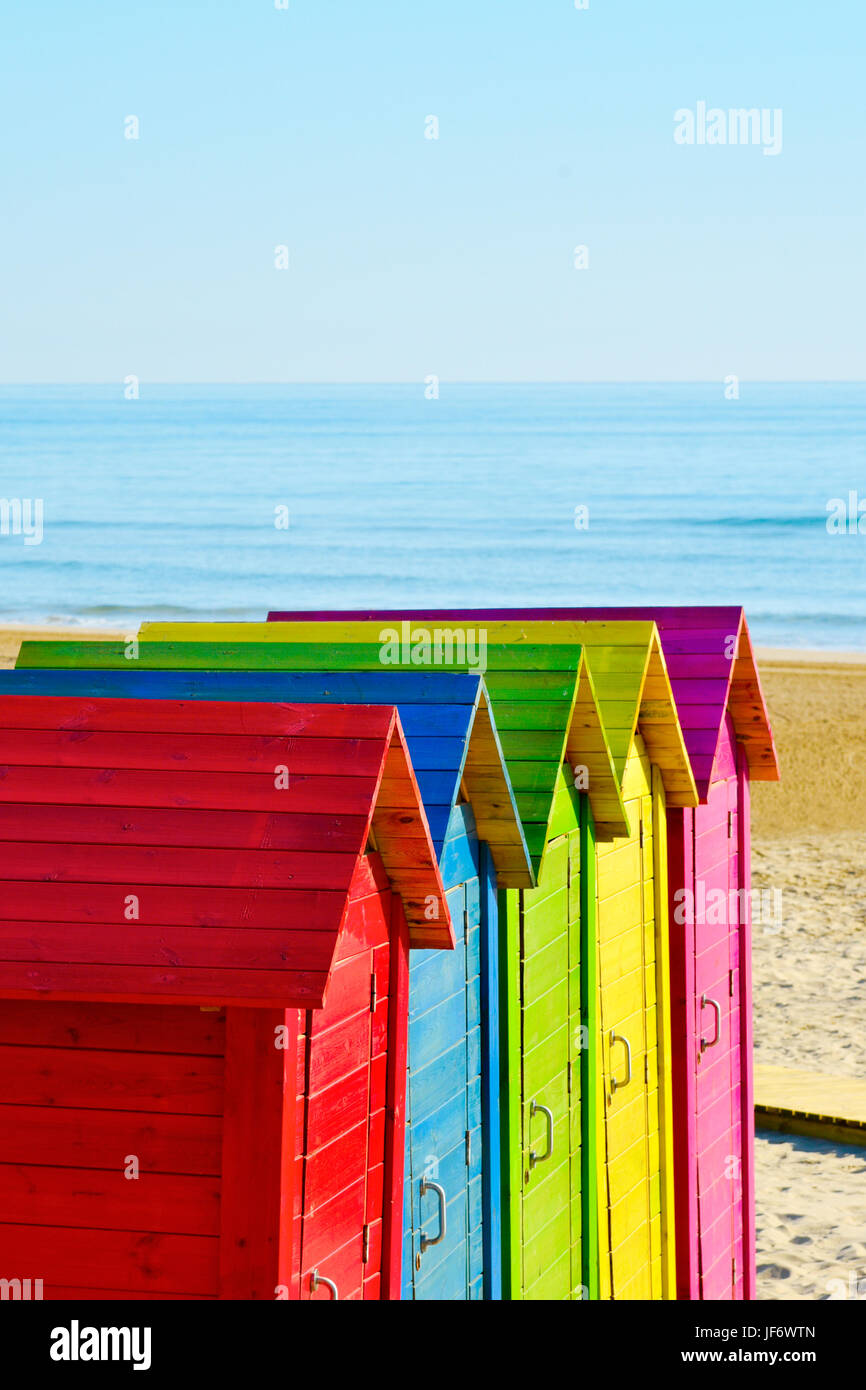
(646, 1068)
(365, 1254)
(570, 1076)
(731, 983)
(468, 1142)
(730, 824)
(373, 995)
(640, 832)
(734, 1270)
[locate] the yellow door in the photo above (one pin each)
(634, 1238)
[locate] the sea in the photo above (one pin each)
(224, 501)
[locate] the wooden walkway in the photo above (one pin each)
(807, 1102)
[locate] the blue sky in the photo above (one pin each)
(305, 127)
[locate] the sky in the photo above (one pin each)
(304, 127)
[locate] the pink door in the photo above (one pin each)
(718, 1045)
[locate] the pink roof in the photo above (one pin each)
(709, 657)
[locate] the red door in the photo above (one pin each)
(342, 1108)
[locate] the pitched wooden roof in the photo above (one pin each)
(712, 667)
(450, 731)
(543, 700)
(710, 660)
(150, 850)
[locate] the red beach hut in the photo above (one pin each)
(206, 915)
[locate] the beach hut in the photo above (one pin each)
(726, 727)
(550, 731)
(207, 911)
(636, 1193)
(452, 1118)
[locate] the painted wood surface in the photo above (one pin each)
(450, 732)
(111, 1119)
(709, 656)
(543, 698)
(626, 666)
(727, 734)
(470, 758)
(633, 1219)
(531, 1230)
(93, 913)
(153, 1151)
(342, 1208)
(524, 1277)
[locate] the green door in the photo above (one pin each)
(550, 998)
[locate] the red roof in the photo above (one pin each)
(195, 851)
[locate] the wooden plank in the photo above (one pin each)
(490, 1075)
(183, 865)
(141, 984)
(88, 1138)
(395, 1106)
(109, 825)
(591, 1087)
(147, 1028)
(255, 1255)
(138, 1262)
(744, 862)
(271, 687)
(159, 750)
(245, 718)
(161, 1082)
(171, 905)
(97, 1199)
(227, 791)
(94, 944)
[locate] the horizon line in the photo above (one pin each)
(119, 382)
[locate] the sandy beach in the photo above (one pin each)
(809, 836)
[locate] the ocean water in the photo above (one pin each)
(165, 506)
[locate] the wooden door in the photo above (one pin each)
(718, 1057)
(550, 1077)
(631, 1215)
(444, 1134)
(343, 1119)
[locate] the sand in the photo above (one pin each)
(809, 841)
(12, 637)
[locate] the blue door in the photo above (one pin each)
(443, 1256)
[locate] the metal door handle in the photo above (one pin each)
(614, 1084)
(426, 1187)
(316, 1279)
(705, 1000)
(536, 1109)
